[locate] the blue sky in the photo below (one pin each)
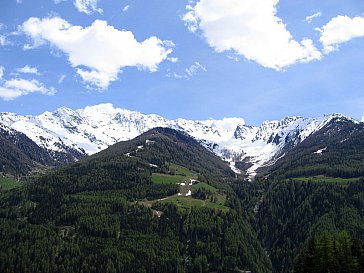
(255, 59)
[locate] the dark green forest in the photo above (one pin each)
(87, 218)
(288, 214)
(105, 213)
(306, 193)
(329, 252)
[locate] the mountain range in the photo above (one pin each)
(67, 135)
(161, 202)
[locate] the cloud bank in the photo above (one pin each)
(97, 52)
(250, 28)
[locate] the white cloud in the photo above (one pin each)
(28, 70)
(97, 78)
(15, 88)
(190, 19)
(87, 6)
(98, 52)
(228, 124)
(173, 59)
(61, 78)
(2, 69)
(189, 72)
(177, 76)
(193, 69)
(249, 28)
(126, 8)
(3, 40)
(309, 18)
(339, 30)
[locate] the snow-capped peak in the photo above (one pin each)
(94, 128)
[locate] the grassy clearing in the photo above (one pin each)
(185, 203)
(325, 179)
(202, 185)
(180, 170)
(7, 183)
(188, 202)
(179, 174)
(158, 178)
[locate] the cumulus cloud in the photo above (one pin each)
(339, 30)
(228, 124)
(249, 28)
(15, 88)
(2, 69)
(28, 70)
(87, 6)
(97, 52)
(309, 18)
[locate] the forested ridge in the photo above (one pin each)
(335, 151)
(89, 216)
(316, 188)
(117, 211)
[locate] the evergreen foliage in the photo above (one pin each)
(85, 218)
(329, 252)
(334, 151)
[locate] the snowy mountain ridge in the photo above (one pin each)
(94, 128)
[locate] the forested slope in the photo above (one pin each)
(316, 187)
(92, 216)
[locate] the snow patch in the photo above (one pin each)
(233, 168)
(320, 151)
(95, 128)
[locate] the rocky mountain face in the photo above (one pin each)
(67, 134)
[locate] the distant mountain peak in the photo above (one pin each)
(94, 128)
